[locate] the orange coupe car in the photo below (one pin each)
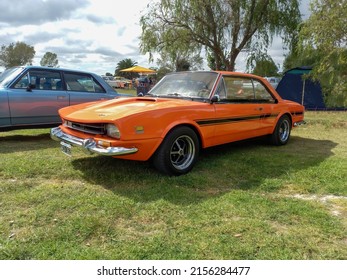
(183, 113)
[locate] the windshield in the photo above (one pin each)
(9, 75)
(185, 84)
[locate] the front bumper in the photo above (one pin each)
(89, 145)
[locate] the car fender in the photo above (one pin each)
(187, 123)
(280, 115)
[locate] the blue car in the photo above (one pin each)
(30, 96)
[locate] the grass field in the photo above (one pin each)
(246, 200)
(126, 91)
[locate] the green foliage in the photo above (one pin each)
(180, 61)
(265, 66)
(211, 62)
(323, 36)
(223, 28)
(123, 64)
(296, 57)
(16, 54)
(49, 59)
(162, 71)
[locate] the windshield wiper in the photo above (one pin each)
(150, 94)
(174, 94)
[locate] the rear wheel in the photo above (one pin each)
(281, 134)
(178, 152)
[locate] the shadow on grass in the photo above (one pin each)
(242, 165)
(16, 142)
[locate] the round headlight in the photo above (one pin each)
(113, 131)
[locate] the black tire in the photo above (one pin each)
(178, 152)
(281, 134)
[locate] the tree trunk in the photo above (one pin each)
(232, 61)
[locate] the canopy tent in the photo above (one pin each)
(143, 84)
(294, 86)
(138, 69)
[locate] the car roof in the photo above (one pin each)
(54, 68)
(234, 73)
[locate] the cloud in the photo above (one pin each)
(100, 19)
(121, 31)
(86, 34)
(108, 52)
(23, 12)
(92, 35)
(41, 36)
(305, 9)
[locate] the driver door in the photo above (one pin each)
(238, 114)
(36, 98)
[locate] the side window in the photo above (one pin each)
(82, 82)
(23, 82)
(261, 93)
(41, 80)
(239, 88)
(220, 91)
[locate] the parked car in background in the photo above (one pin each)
(123, 82)
(110, 81)
(32, 95)
(183, 113)
(274, 81)
(117, 82)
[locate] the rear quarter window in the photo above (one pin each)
(82, 82)
(245, 89)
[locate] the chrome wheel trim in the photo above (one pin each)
(182, 152)
(284, 130)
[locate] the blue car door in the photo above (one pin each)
(36, 97)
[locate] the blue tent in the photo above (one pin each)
(294, 87)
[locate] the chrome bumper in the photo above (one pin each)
(89, 145)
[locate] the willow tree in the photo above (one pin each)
(224, 28)
(324, 36)
(265, 66)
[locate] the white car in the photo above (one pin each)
(117, 82)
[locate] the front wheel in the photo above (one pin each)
(281, 134)
(178, 152)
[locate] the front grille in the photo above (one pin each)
(90, 128)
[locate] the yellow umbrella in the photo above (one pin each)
(138, 69)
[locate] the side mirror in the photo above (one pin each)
(214, 99)
(30, 87)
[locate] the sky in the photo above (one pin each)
(91, 35)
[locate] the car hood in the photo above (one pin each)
(121, 107)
